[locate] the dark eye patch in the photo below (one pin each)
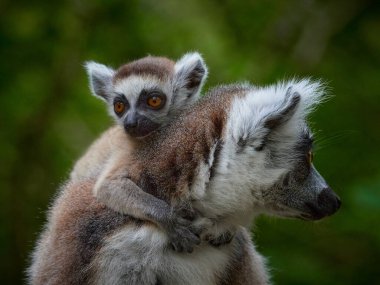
(121, 98)
(120, 105)
(145, 94)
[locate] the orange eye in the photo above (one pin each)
(155, 102)
(310, 157)
(119, 107)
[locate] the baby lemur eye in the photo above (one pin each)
(119, 107)
(155, 102)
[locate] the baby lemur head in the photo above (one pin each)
(145, 94)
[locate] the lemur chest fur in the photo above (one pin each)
(144, 249)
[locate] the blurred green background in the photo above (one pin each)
(48, 117)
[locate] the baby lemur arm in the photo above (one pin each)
(121, 194)
(118, 192)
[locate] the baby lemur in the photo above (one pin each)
(142, 96)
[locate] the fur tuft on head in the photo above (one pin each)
(312, 92)
(267, 110)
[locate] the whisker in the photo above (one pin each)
(321, 141)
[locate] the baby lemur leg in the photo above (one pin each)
(118, 192)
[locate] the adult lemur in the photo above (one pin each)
(239, 152)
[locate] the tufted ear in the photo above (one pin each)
(283, 112)
(190, 73)
(100, 77)
(277, 116)
(263, 115)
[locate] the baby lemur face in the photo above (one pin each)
(141, 104)
(145, 94)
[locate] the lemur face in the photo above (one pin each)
(141, 104)
(301, 191)
(145, 94)
(274, 151)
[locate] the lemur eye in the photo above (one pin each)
(119, 107)
(310, 157)
(155, 102)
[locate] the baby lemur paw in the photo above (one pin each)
(222, 239)
(182, 236)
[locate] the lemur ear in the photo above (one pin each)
(190, 73)
(277, 116)
(100, 77)
(282, 113)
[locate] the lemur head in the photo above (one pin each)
(145, 94)
(267, 150)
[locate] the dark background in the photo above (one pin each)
(48, 117)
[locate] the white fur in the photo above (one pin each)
(182, 69)
(202, 177)
(142, 252)
(102, 73)
(188, 61)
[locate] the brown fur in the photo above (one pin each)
(159, 67)
(184, 144)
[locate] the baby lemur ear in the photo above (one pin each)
(190, 73)
(100, 77)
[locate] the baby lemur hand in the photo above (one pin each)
(222, 239)
(183, 233)
(187, 223)
(121, 194)
(219, 234)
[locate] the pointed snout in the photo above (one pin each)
(326, 204)
(138, 126)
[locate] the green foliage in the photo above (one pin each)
(48, 117)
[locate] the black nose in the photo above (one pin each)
(328, 202)
(131, 121)
(130, 125)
